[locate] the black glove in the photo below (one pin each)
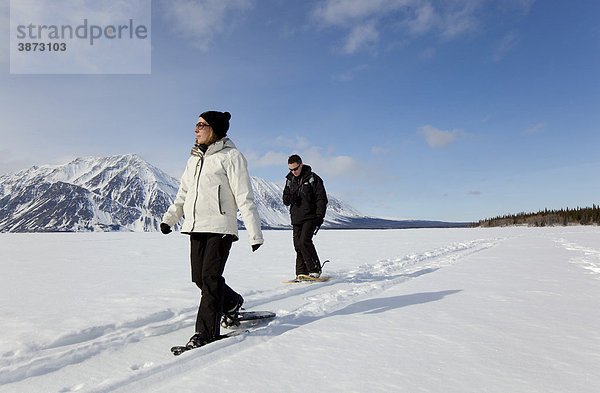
(164, 228)
(255, 247)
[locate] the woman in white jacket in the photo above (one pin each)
(214, 185)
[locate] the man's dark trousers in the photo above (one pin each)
(307, 260)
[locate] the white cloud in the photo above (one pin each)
(440, 138)
(347, 12)
(361, 37)
(350, 74)
(535, 129)
(521, 6)
(329, 165)
(298, 142)
(506, 44)
(378, 150)
(363, 20)
(460, 19)
(427, 54)
(269, 159)
(201, 21)
(423, 19)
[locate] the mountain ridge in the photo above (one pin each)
(126, 193)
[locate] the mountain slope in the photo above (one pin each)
(88, 194)
(274, 214)
(125, 193)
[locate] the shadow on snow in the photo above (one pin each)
(371, 306)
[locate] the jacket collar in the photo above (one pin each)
(220, 145)
(215, 147)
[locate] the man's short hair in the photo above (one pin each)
(294, 159)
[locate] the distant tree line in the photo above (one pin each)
(579, 216)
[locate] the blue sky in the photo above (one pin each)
(446, 110)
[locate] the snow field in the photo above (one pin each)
(449, 310)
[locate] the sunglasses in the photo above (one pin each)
(295, 169)
(201, 125)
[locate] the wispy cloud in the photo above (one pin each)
(421, 19)
(520, 6)
(268, 159)
(324, 161)
(378, 150)
(363, 20)
(350, 74)
(427, 54)
(506, 44)
(331, 165)
(361, 37)
(440, 138)
(200, 21)
(298, 142)
(536, 129)
(347, 12)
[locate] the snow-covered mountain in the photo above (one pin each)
(274, 214)
(121, 192)
(126, 193)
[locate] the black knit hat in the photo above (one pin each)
(219, 121)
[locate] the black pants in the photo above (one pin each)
(307, 260)
(209, 252)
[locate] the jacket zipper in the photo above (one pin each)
(201, 164)
(219, 199)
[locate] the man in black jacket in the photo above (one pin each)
(305, 194)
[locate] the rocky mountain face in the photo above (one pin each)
(88, 194)
(111, 194)
(125, 193)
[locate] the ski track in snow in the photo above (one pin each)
(314, 301)
(588, 258)
(75, 348)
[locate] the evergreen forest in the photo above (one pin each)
(564, 217)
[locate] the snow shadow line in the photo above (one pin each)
(379, 305)
(371, 306)
(370, 277)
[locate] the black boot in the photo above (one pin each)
(198, 340)
(230, 314)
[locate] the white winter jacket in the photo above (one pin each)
(212, 189)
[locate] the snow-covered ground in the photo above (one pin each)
(436, 310)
